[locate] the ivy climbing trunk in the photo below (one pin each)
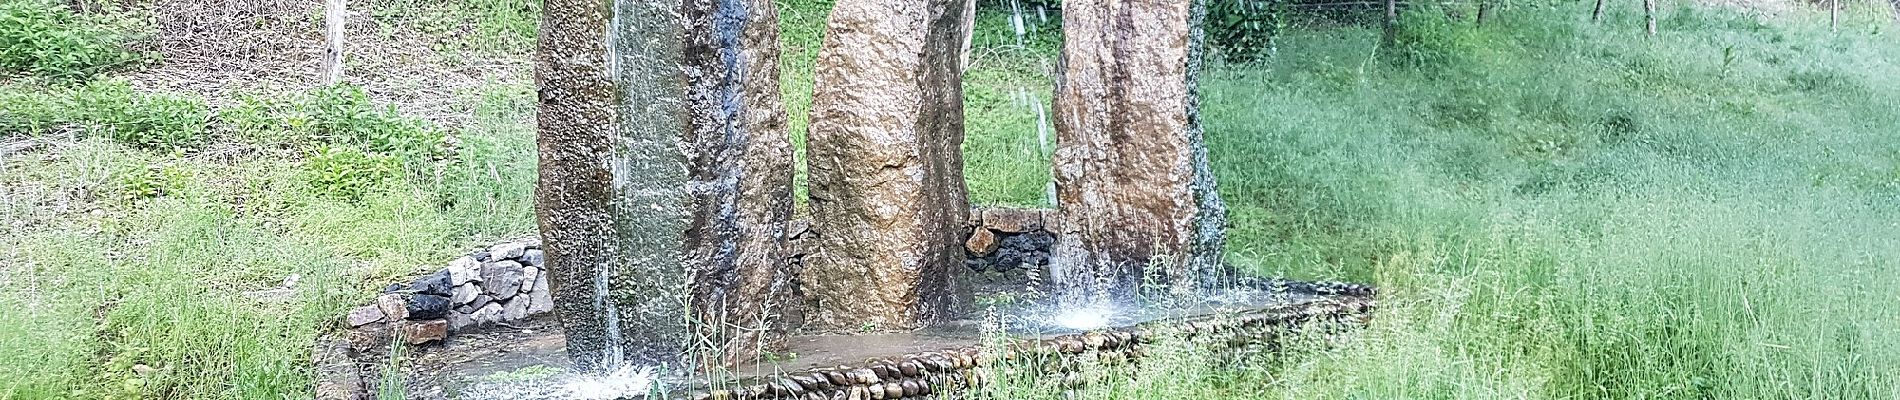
(665, 179)
(887, 192)
(1135, 194)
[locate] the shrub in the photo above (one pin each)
(339, 115)
(347, 173)
(45, 38)
(147, 120)
(109, 108)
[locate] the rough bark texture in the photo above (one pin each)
(613, 178)
(1132, 180)
(741, 178)
(665, 181)
(887, 187)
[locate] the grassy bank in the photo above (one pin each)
(1557, 209)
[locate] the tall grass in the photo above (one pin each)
(1561, 210)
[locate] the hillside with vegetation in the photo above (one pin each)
(1553, 208)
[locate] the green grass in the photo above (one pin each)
(1561, 210)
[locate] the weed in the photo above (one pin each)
(45, 38)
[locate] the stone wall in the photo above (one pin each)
(496, 284)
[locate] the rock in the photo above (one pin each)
(436, 284)
(459, 319)
(534, 257)
(981, 242)
(1012, 220)
(886, 188)
(395, 288)
(427, 306)
(464, 270)
(1107, 184)
(507, 251)
(488, 314)
(394, 306)
(480, 300)
(515, 309)
(481, 256)
(369, 338)
(465, 293)
(501, 279)
(364, 315)
(528, 275)
(541, 301)
(420, 332)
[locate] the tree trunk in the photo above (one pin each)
(1391, 35)
(664, 179)
(1135, 194)
(334, 14)
(1484, 11)
(1834, 15)
(1596, 13)
(887, 192)
(1649, 17)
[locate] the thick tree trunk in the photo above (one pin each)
(1135, 194)
(1596, 14)
(887, 193)
(665, 179)
(1649, 17)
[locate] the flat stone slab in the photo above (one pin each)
(528, 359)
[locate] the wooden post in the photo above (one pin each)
(1391, 23)
(1833, 15)
(332, 69)
(1649, 17)
(1484, 10)
(1596, 14)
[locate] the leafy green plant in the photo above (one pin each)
(151, 182)
(45, 38)
(110, 108)
(148, 120)
(339, 115)
(348, 173)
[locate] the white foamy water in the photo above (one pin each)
(627, 382)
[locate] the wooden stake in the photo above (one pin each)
(1649, 16)
(1834, 15)
(1596, 15)
(332, 69)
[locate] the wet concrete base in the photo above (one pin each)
(528, 360)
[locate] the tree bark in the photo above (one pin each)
(1834, 15)
(1596, 13)
(1135, 194)
(334, 14)
(1391, 35)
(887, 192)
(1649, 17)
(665, 179)
(1484, 11)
